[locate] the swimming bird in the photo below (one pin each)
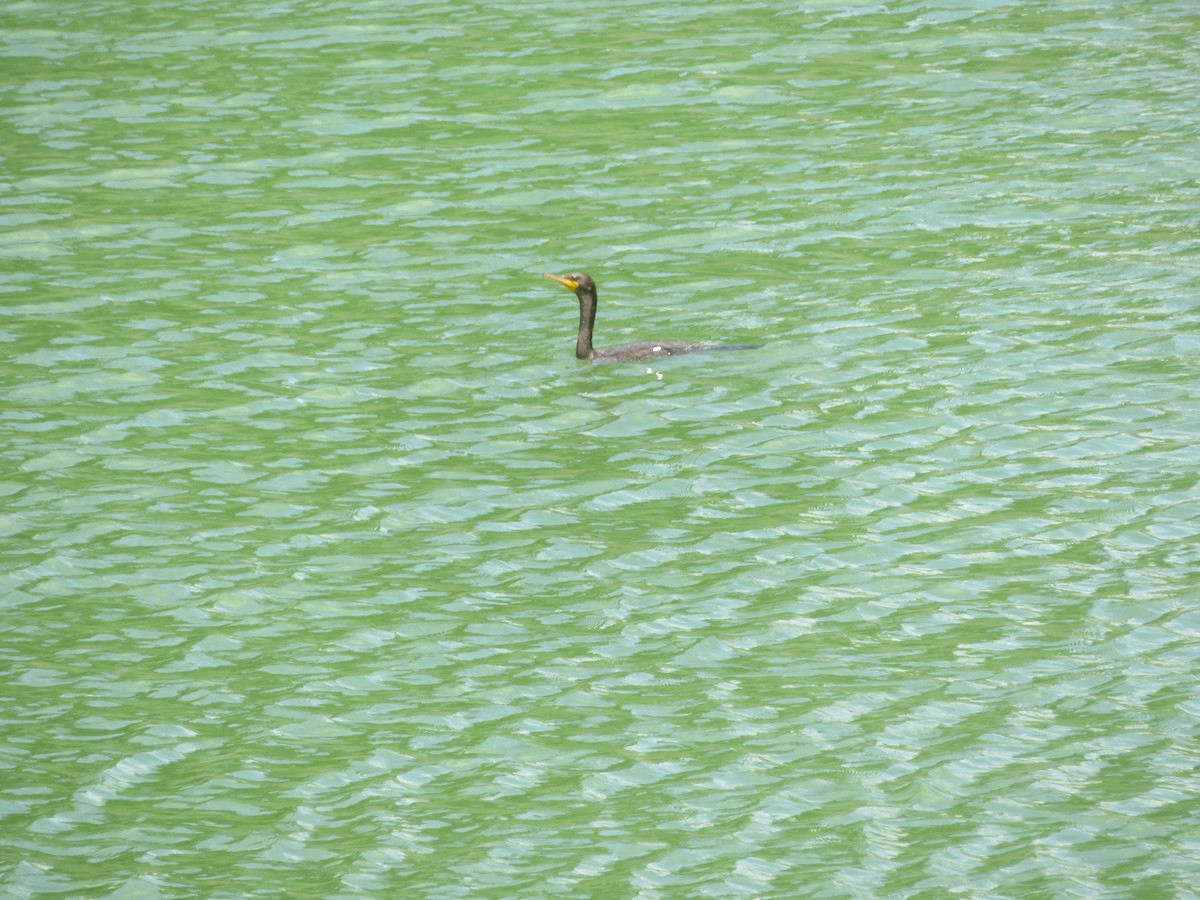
(584, 288)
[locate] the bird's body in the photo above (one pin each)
(583, 287)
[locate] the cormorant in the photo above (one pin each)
(585, 289)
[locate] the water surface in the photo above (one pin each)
(326, 570)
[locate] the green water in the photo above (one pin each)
(326, 570)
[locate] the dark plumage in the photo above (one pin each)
(585, 289)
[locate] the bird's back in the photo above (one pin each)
(640, 350)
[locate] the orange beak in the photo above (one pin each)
(570, 285)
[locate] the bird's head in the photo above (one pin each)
(577, 283)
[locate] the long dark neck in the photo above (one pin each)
(587, 320)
